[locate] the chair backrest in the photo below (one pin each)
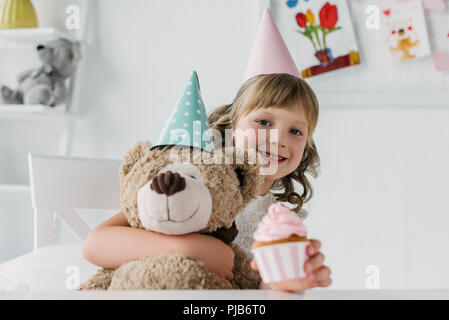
(61, 184)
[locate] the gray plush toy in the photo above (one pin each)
(46, 84)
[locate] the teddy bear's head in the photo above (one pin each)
(402, 29)
(61, 55)
(184, 190)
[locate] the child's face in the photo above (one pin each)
(278, 132)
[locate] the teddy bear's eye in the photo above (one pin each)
(240, 175)
(191, 176)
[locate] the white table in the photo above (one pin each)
(313, 294)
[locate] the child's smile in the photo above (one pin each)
(272, 157)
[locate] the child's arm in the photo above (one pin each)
(114, 242)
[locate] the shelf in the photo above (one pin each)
(384, 99)
(33, 35)
(26, 38)
(14, 188)
(32, 111)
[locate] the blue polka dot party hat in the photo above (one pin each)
(188, 125)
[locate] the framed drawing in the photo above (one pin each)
(318, 33)
(406, 29)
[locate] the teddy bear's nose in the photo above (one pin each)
(40, 47)
(168, 183)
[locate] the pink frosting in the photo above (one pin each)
(280, 222)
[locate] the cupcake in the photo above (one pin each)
(280, 245)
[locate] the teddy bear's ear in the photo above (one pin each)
(134, 154)
(76, 51)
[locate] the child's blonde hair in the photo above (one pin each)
(280, 91)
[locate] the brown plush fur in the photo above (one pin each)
(229, 197)
(99, 281)
(244, 276)
(178, 272)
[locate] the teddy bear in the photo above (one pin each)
(404, 38)
(45, 85)
(180, 190)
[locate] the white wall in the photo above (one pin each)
(142, 62)
(381, 197)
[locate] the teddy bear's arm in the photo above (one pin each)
(396, 48)
(59, 92)
(244, 276)
(133, 156)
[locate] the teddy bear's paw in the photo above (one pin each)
(169, 272)
(244, 276)
(99, 281)
(9, 96)
(5, 93)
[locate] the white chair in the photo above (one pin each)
(61, 184)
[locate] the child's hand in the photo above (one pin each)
(317, 274)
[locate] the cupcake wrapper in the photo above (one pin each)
(281, 261)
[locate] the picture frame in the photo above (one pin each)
(319, 34)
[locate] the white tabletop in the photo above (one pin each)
(313, 294)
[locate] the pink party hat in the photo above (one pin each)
(269, 54)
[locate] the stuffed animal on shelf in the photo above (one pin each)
(203, 197)
(45, 85)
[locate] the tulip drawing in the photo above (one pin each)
(310, 17)
(301, 20)
(328, 16)
(328, 20)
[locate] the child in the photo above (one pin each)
(286, 103)
(274, 97)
